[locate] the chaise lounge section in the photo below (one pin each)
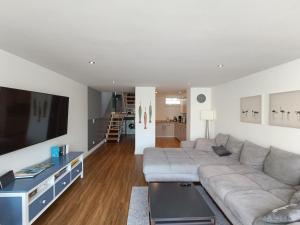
(246, 185)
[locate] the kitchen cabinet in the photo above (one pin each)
(165, 129)
(180, 131)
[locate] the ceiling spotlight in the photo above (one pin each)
(220, 66)
(92, 62)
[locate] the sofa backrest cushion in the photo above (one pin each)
(253, 155)
(283, 166)
(235, 147)
(204, 144)
(221, 139)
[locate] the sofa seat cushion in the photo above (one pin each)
(206, 172)
(266, 182)
(247, 205)
(253, 155)
(242, 169)
(235, 147)
(182, 165)
(224, 184)
(284, 166)
(285, 194)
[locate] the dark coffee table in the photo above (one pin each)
(178, 204)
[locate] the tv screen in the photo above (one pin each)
(28, 118)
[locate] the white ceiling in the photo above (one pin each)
(170, 44)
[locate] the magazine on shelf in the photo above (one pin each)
(32, 171)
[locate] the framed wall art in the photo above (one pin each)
(251, 109)
(285, 109)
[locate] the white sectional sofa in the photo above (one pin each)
(246, 185)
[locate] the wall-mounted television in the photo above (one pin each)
(28, 118)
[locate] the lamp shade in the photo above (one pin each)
(208, 115)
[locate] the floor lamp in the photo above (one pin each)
(207, 115)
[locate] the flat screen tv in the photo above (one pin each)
(28, 118)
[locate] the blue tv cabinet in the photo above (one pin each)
(24, 200)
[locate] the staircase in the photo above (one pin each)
(114, 128)
(129, 103)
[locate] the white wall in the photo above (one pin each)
(226, 101)
(18, 73)
(196, 126)
(144, 137)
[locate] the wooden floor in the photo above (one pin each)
(167, 142)
(102, 197)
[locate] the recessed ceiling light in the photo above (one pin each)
(92, 62)
(220, 65)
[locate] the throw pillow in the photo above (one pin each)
(221, 139)
(221, 150)
(286, 214)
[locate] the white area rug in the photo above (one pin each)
(139, 210)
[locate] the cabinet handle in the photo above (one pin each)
(44, 202)
(64, 183)
(77, 171)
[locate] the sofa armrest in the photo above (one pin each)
(188, 144)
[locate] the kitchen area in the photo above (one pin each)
(171, 115)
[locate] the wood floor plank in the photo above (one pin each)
(102, 197)
(163, 142)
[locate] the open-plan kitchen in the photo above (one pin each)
(171, 115)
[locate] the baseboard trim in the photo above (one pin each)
(94, 149)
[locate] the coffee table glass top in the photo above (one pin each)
(174, 202)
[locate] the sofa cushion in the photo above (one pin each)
(204, 144)
(225, 184)
(265, 182)
(235, 147)
(221, 150)
(286, 214)
(221, 139)
(253, 155)
(207, 172)
(284, 194)
(284, 166)
(247, 205)
(295, 198)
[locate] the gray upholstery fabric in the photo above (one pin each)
(265, 182)
(221, 139)
(253, 155)
(284, 194)
(243, 192)
(235, 147)
(284, 166)
(247, 205)
(204, 144)
(295, 197)
(228, 183)
(287, 214)
(187, 144)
